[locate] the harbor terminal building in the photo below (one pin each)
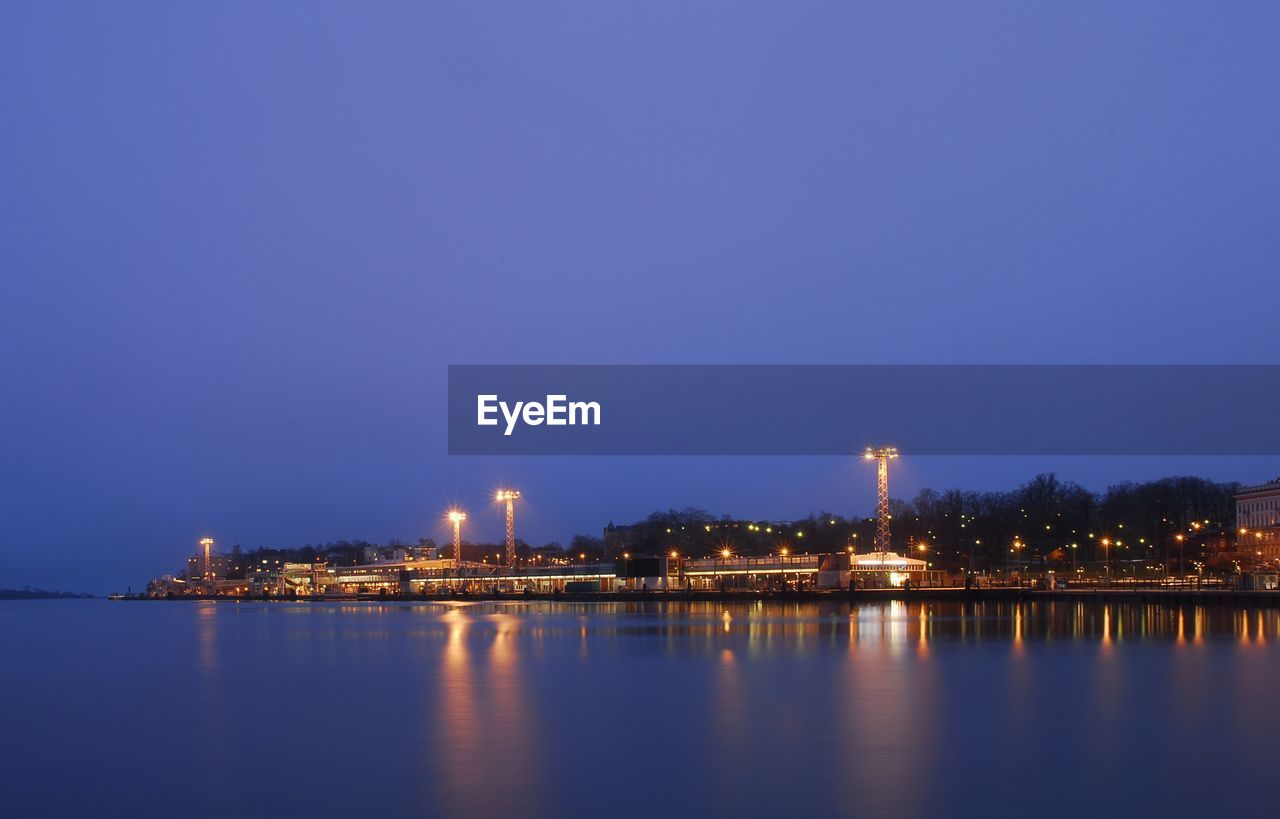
(433, 575)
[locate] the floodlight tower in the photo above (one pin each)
(510, 496)
(457, 516)
(882, 455)
(207, 567)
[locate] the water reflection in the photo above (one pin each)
(898, 624)
(642, 708)
(213, 715)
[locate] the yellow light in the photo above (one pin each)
(674, 553)
(725, 552)
(784, 551)
(457, 516)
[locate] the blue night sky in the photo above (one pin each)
(241, 242)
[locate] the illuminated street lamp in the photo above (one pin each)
(882, 455)
(725, 554)
(509, 496)
(207, 568)
(456, 517)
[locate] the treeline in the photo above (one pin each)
(1042, 521)
(1048, 520)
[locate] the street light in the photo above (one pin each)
(882, 455)
(457, 516)
(1017, 544)
(509, 496)
(207, 568)
(725, 554)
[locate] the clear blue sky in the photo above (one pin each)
(240, 242)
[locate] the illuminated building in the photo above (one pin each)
(1258, 519)
(444, 576)
(879, 570)
(780, 571)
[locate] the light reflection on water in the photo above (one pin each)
(591, 709)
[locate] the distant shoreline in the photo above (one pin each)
(43, 594)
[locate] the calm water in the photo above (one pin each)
(627, 710)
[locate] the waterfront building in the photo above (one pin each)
(442, 576)
(1258, 519)
(419, 573)
(880, 570)
(771, 572)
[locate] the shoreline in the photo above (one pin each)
(1216, 597)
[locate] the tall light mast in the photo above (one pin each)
(207, 568)
(510, 496)
(457, 516)
(882, 455)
